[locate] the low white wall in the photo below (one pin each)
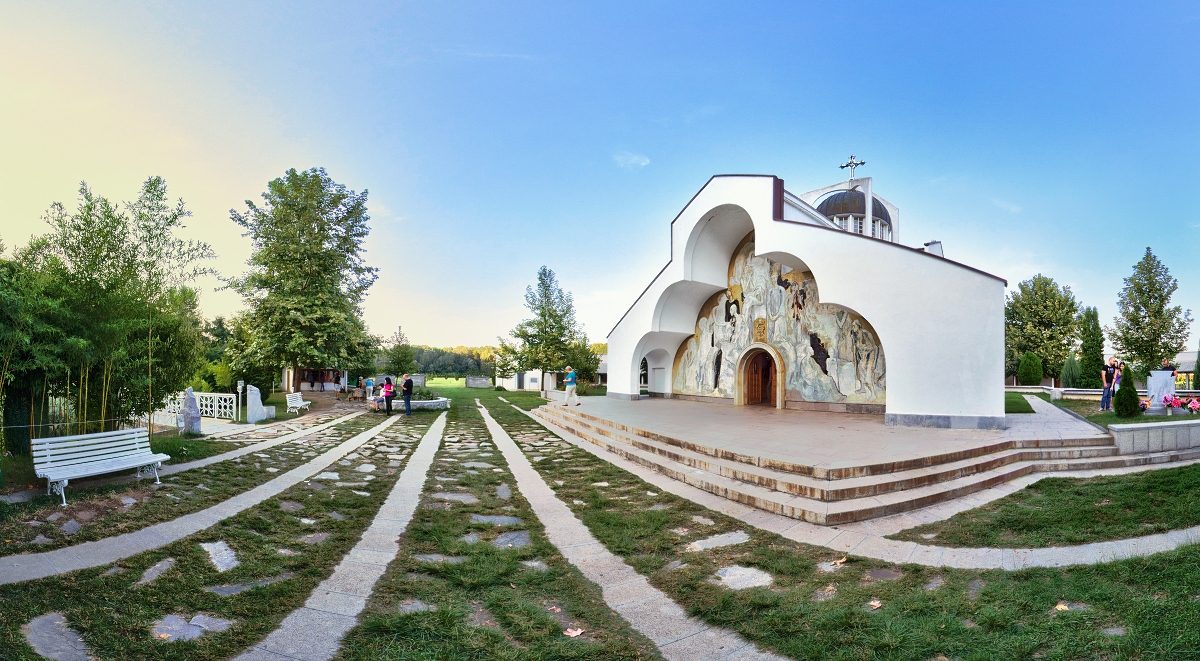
(1158, 436)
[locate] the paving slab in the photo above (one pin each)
(221, 555)
(31, 566)
(656, 616)
(315, 631)
(158, 569)
(53, 638)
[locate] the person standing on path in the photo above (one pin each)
(1108, 375)
(406, 387)
(389, 393)
(570, 383)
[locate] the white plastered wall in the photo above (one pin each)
(941, 324)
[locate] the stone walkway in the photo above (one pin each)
(627, 592)
(314, 632)
(31, 566)
(1050, 421)
(867, 538)
(171, 469)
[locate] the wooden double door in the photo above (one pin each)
(760, 379)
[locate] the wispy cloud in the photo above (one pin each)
(629, 160)
(1007, 206)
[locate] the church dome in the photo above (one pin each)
(852, 202)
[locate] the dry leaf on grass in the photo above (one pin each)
(573, 632)
(838, 563)
(554, 609)
(1062, 607)
(875, 604)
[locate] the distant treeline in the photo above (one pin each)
(455, 361)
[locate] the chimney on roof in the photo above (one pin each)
(934, 248)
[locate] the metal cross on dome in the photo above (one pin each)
(852, 164)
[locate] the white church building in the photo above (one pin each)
(811, 302)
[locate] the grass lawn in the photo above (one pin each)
(16, 472)
(1064, 511)
(101, 512)
(1015, 402)
(1090, 409)
(489, 606)
(924, 612)
(442, 382)
(115, 617)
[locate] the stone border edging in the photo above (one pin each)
(171, 469)
(647, 609)
(314, 631)
(30, 566)
(890, 550)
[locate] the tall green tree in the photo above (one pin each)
(307, 276)
(101, 325)
(399, 358)
(1070, 372)
(1040, 317)
(1091, 349)
(1148, 328)
(544, 341)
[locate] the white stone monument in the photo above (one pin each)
(255, 411)
(189, 413)
(1160, 384)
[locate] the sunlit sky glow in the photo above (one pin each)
(498, 137)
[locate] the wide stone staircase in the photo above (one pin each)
(830, 496)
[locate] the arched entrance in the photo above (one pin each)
(759, 379)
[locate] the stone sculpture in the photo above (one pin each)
(189, 413)
(1160, 384)
(255, 411)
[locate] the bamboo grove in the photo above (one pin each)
(98, 322)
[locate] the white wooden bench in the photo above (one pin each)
(63, 458)
(295, 402)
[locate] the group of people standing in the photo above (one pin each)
(387, 393)
(1111, 375)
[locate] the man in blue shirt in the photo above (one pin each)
(570, 383)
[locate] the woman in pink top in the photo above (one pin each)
(389, 393)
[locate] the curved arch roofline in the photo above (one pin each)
(778, 217)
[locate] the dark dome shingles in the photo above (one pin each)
(845, 202)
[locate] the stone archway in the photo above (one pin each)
(761, 376)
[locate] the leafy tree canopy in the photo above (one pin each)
(1040, 317)
(543, 342)
(97, 322)
(307, 276)
(398, 355)
(1148, 328)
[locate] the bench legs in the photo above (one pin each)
(59, 488)
(146, 470)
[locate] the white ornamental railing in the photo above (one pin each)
(212, 405)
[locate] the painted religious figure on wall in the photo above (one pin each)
(830, 354)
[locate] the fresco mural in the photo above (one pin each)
(830, 354)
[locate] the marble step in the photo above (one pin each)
(817, 489)
(826, 512)
(800, 507)
(832, 473)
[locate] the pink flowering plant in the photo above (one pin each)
(1194, 405)
(1172, 401)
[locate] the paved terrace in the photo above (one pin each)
(820, 439)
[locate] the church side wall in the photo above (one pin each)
(941, 325)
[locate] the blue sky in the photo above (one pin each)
(497, 137)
